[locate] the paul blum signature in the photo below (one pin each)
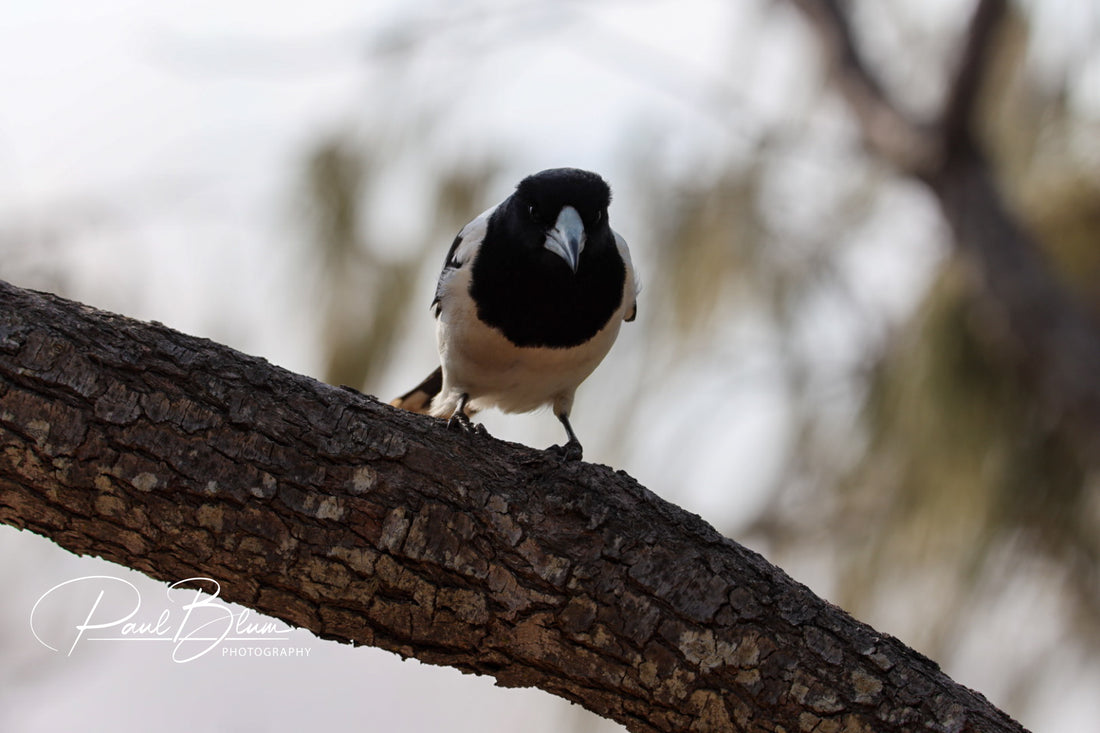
(193, 621)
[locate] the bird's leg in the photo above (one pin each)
(459, 420)
(572, 450)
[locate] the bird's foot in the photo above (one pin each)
(462, 423)
(571, 451)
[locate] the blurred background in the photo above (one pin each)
(808, 370)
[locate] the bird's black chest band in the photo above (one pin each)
(539, 302)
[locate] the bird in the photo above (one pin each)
(530, 300)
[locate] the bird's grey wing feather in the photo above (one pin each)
(462, 252)
(631, 311)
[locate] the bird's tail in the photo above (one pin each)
(419, 398)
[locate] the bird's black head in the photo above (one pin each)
(549, 272)
(562, 210)
(550, 190)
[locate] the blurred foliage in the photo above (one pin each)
(713, 232)
(962, 460)
(356, 281)
(365, 294)
(1049, 158)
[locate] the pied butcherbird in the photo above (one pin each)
(529, 302)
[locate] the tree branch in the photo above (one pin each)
(319, 506)
(886, 129)
(964, 92)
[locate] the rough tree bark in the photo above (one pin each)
(179, 457)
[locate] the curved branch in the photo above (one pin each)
(916, 148)
(179, 457)
(910, 146)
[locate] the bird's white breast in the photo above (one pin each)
(479, 361)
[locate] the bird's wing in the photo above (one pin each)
(462, 252)
(631, 287)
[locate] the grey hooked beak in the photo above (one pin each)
(566, 239)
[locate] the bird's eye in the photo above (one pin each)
(599, 216)
(533, 212)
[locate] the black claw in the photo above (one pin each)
(571, 451)
(460, 422)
